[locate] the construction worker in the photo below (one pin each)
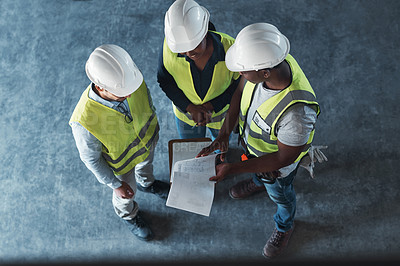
(277, 111)
(116, 131)
(192, 70)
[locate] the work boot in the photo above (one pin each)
(139, 228)
(159, 188)
(277, 243)
(245, 188)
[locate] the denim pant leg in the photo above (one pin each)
(186, 131)
(282, 193)
(214, 133)
(257, 181)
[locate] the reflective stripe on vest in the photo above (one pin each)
(222, 78)
(124, 144)
(262, 138)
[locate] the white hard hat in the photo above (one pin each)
(257, 46)
(186, 25)
(112, 68)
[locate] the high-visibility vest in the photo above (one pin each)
(262, 137)
(222, 77)
(124, 144)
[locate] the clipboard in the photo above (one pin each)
(188, 141)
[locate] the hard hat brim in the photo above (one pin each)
(130, 86)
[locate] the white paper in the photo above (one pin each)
(202, 167)
(191, 189)
(188, 195)
(186, 150)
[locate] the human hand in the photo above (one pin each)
(220, 143)
(221, 171)
(125, 191)
(198, 114)
(210, 109)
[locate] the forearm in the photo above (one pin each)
(102, 171)
(285, 156)
(173, 93)
(233, 111)
(266, 163)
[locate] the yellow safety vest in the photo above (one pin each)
(262, 138)
(179, 68)
(124, 144)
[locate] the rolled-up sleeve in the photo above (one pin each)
(90, 152)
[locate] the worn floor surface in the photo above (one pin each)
(52, 209)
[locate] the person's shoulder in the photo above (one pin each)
(299, 110)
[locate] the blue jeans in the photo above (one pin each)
(282, 193)
(186, 131)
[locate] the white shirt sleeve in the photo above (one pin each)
(90, 152)
(296, 124)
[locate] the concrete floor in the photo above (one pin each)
(53, 210)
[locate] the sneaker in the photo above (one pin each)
(245, 188)
(159, 188)
(139, 228)
(277, 243)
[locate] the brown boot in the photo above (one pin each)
(245, 188)
(277, 243)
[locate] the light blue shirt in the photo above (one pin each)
(90, 148)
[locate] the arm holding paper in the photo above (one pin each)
(222, 141)
(266, 163)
